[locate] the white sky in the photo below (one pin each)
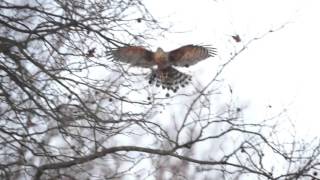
(280, 70)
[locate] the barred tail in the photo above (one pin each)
(169, 78)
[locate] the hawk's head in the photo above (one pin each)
(159, 49)
(161, 58)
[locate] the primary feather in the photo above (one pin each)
(133, 55)
(190, 54)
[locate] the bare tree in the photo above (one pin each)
(69, 113)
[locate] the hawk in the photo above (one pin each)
(165, 74)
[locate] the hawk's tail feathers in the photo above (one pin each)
(169, 78)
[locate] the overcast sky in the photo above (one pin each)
(280, 69)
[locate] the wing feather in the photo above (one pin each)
(190, 54)
(133, 55)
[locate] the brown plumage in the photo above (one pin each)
(165, 75)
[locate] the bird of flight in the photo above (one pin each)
(165, 74)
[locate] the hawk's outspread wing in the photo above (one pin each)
(190, 54)
(133, 55)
